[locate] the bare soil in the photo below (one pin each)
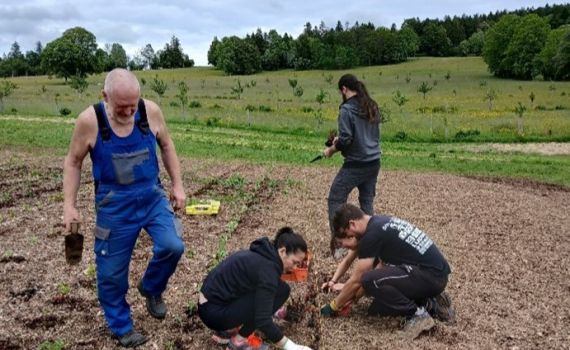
(546, 148)
(507, 242)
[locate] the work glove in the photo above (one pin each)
(330, 309)
(290, 345)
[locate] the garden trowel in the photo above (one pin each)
(74, 244)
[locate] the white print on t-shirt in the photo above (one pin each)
(410, 234)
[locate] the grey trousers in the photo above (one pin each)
(348, 179)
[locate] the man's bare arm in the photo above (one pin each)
(341, 269)
(168, 154)
(83, 137)
(351, 287)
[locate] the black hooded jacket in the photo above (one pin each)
(254, 271)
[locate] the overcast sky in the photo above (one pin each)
(133, 24)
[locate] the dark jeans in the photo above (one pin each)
(399, 290)
(239, 312)
(348, 179)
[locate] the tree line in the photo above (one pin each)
(316, 48)
(348, 46)
(77, 54)
(499, 37)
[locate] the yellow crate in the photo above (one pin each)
(204, 207)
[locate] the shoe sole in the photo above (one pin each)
(446, 312)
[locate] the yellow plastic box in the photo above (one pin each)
(203, 207)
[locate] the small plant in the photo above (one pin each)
(307, 109)
(235, 181)
(298, 91)
(263, 108)
(237, 89)
(6, 89)
(64, 111)
(424, 88)
(79, 84)
(399, 99)
(400, 136)
(52, 345)
(468, 134)
(213, 121)
(91, 271)
(531, 97)
(519, 111)
(329, 78)
(408, 79)
(63, 288)
(447, 75)
(197, 104)
(482, 83)
(490, 96)
(292, 83)
(253, 83)
(182, 95)
(159, 87)
(318, 114)
(143, 81)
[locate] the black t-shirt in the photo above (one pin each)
(397, 242)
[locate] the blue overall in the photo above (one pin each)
(129, 197)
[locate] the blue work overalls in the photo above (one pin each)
(129, 197)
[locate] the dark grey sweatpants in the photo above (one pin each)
(348, 179)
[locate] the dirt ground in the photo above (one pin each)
(507, 242)
(550, 148)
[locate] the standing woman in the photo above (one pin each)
(245, 290)
(359, 143)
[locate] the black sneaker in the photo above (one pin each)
(132, 339)
(417, 324)
(440, 308)
(155, 305)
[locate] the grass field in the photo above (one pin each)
(434, 134)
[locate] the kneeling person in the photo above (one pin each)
(244, 291)
(399, 266)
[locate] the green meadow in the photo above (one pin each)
(466, 106)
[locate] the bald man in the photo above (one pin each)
(120, 134)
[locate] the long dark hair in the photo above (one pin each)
(293, 242)
(368, 105)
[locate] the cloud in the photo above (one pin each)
(195, 23)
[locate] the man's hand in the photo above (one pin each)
(178, 197)
(70, 214)
(329, 310)
(327, 286)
